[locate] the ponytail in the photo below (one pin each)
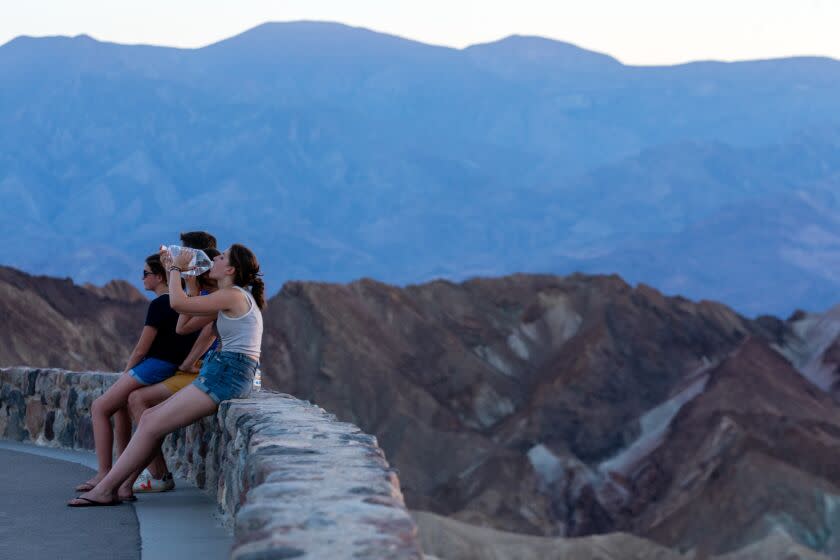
(258, 291)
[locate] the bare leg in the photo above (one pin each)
(115, 398)
(140, 401)
(122, 428)
(122, 434)
(183, 408)
(158, 466)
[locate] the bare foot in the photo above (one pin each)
(126, 494)
(94, 498)
(85, 502)
(90, 484)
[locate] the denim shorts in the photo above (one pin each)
(226, 375)
(152, 370)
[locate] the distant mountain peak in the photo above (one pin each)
(534, 50)
(277, 28)
(270, 26)
(28, 44)
(305, 33)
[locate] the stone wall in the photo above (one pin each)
(292, 480)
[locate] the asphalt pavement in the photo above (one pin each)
(37, 482)
(36, 523)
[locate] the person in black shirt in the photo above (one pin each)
(156, 356)
(227, 374)
(156, 477)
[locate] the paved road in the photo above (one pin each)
(35, 522)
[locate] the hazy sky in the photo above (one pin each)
(634, 31)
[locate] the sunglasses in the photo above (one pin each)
(147, 273)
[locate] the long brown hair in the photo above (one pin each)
(248, 272)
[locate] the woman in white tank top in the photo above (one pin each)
(224, 375)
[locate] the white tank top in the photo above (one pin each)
(242, 334)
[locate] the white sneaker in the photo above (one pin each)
(144, 476)
(148, 483)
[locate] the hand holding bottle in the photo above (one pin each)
(165, 257)
(192, 262)
(185, 260)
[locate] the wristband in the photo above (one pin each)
(171, 268)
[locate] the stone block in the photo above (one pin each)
(49, 433)
(35, 417)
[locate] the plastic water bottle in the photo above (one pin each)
(257, 385)
(199, 264)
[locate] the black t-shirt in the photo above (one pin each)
(167, 346)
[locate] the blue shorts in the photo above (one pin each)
(152, 370)
(226, 375)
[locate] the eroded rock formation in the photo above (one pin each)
(51, 322)
(573, 406)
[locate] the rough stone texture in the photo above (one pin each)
(294, 481)
(299, 483)
(49, 406)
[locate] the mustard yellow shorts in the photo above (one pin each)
(178, 381)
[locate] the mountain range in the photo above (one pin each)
(339, 153)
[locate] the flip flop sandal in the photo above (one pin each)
(85, 487)
(129, 499)
(94, 503)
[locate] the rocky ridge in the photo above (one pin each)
(51, 322)
(573, 406)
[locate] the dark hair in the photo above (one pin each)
(247, 272)
(197, 240)
(157, 267)
(204, 280)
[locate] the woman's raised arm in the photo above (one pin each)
(221, 300)
(204, 305)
